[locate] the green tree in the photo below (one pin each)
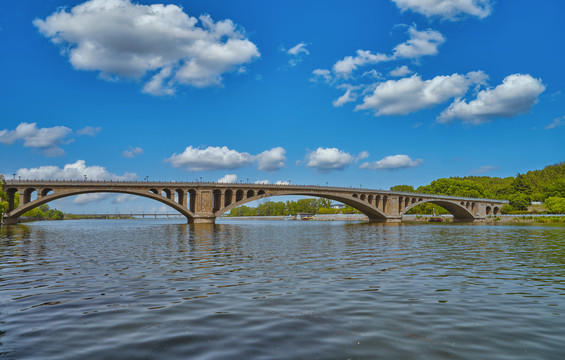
(402, 188)
(454, 187)
(520, 202)
(555, 205)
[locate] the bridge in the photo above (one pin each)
(203, 202)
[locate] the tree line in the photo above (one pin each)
(291, 207)
(546, 185)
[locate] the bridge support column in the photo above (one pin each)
(203, 218)
(11, 220)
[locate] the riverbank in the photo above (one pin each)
(416, 218)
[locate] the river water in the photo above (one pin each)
(162, 289)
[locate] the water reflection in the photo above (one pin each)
(279, 290)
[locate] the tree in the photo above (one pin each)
(520, 202)
(454, 187)
(555, 205)
(402, 188)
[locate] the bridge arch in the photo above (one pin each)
(27, 206)
(459, 211)
(365, 207)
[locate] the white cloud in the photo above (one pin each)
(372, 74)
(447, 9)
(327, 159)
(392, 162)
(403, 96)
(217, 158)
(324, 74)
(132, 152)
(516, 95)
(400, 71)
(297, 53)
(420, 43)
(228, 178)
(75, 171)
(271, 160)
(45, 139)
(363, 155)
(89, 131)
(556, 123)
(90, 198)
(345, 66)
(211, 158)
(280, 182)
(298, 49)
(123, 198)
(262, 182)
(345, 98)
(119, 38)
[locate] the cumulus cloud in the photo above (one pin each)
(392, 162)
(400, 71)
(447, 9)
(132, 152)
(556, 123)
(327, 159)
(76, 171)
(47, 140)
(271, 160)
(280, 182)
(228, 178)
(516, 95)
(262, 182)
(210, 158)
(406, 95)
(420, 43)
(217, 158)
(119, 38)
(348, 64)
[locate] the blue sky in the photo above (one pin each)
(371, 93)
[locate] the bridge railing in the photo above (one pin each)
(32, 182)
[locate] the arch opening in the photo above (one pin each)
(228, 197)
(458, 209)
(46, 191)
(25, 207)
(238, 195)
(216, 200)
(180, 197)
(191, 200)
(374, 214)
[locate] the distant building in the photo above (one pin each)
(337, 206)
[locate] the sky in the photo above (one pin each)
(358, 93)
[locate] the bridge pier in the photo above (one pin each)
(11, 220)
(202, 218)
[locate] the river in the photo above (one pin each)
(162, 289)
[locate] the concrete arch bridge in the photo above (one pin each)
(204, 202)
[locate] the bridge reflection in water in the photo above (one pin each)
(204, 202)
